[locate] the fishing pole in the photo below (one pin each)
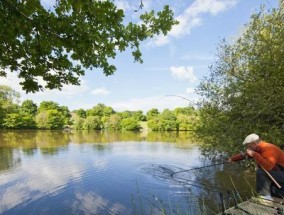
(186, 170)
(184, 182)
(190, 102)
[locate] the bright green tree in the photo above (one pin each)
(113, 122)
(50, 119)
(77, 122)
(92, 123)
(81, 113)
(152, 113)
(9, 99)
(130, 124)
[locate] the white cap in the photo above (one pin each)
(251, 138)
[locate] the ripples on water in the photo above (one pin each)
(59, 173)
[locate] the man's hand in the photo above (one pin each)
(250, 152)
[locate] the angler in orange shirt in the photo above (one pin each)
(269, 157)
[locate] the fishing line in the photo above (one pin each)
(184, 181)
(186, 170)
(187, 182)
(190, 102)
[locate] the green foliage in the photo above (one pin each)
(48, 105)
(154, 124)
(244, 92)
(50, 115)
(29, 107)
(50, 119)
(19, 120)
(55, 119)
(138, 115)
(92, 123)
(130, 124)
(49, 112)
(28, 120)
(12, 120)
(66, 114)
(58, 45)
(41, 120)
(77, 122)
(81, 113)
(8, 102)
(152, 113)
(113, 122)
(99, 110)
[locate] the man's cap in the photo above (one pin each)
(251, 138)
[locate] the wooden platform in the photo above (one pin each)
(257, 206)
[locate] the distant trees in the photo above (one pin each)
(8, 102)
(181, 119)
(50, 115)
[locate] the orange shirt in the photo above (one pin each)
(268, 155)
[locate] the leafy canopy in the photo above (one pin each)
(57, 45)
(244, 92)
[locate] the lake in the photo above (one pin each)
(76, 172)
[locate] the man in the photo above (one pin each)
(268, 157)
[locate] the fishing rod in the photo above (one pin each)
(190, 102)
(186, 170)
(185, 182)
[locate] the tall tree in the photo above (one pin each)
(58, 44)
(8, 102)
(28, 106)
(244, 91)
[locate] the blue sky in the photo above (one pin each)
(173, 65)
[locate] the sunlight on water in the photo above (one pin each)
(44, 172)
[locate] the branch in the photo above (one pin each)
(16, 9)
(140, 7)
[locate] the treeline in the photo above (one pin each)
(50, 115)
(244, 92)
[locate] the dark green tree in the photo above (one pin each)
(244, 92)
(58, 44)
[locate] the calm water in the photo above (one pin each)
(52, 172)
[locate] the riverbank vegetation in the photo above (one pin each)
(244, 92)
(50, 115)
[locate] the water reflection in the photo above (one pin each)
(57, 172)
(7, 158)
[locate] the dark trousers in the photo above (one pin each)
(265, 186)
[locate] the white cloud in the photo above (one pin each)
(38, 181)
(183, 73)
(189, 90)
(159, 40)
(67, 90)
(124, 5)
(185, 25)
(100, 91)
(192, 17)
